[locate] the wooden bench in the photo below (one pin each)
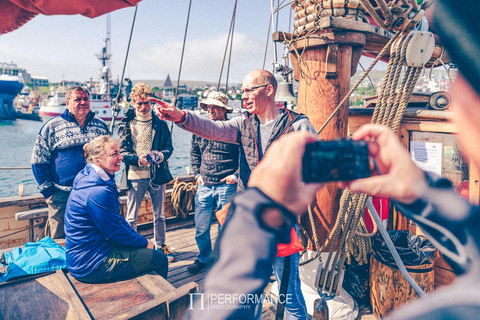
(30, 215)
(58, 295)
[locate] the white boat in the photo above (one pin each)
(100, 104)
(101, 101)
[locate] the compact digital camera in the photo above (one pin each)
(336, 160)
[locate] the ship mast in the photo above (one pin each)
(104, 56)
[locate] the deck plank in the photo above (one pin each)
(182, 242)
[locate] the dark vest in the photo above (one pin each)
(249, 139)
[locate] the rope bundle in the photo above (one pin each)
(183, 194)
(309, 12)
(388, 14)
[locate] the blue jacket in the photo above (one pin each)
(93, 223)
(58, 152)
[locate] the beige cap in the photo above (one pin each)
(219, 99)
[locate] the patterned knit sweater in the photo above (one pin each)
(142, 139)
(58, 152)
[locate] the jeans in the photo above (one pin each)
(56, 213)
(123, 262)
(295, 307)
(206, 199)
(135, 197)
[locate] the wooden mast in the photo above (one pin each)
(327, 62)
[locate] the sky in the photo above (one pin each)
(64, 47)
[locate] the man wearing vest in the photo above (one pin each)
(214, 165)
(254, 131)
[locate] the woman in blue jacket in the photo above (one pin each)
(101, 245)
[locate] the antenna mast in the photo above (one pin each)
(104, 56)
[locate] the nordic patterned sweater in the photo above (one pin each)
(58, 152)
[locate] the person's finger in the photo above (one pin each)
(157, 101)
(370, 131)
(375, 186)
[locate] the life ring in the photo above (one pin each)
(105, 97)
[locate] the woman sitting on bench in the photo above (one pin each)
(101, 246)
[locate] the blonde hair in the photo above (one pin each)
(96, 147)
(140, 90)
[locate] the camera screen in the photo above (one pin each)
(341, 160)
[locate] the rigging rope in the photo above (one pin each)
(230, 58)
(116, 109)
(230, 35)
(379, 56)
(181, 59)
(266, 43)
(279, 7)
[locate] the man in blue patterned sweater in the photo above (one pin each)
(58, 153)
(214, 165)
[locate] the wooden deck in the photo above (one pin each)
(181, 239)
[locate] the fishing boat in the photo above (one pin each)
(100, 103)
(101, 96)
(11, 83)
(28, 104)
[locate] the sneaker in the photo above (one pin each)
(196, 267)
(166, 250)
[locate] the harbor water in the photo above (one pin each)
(16, 145)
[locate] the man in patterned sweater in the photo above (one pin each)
(214, 164)
(146, 144)
(58, 153)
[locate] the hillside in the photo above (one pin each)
(188, 83)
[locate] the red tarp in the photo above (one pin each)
(15, 13)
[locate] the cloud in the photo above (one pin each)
(202, 60)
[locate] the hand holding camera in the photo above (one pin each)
(401, 179)
(337, 160)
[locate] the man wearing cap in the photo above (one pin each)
(255, 131)
(214, 165)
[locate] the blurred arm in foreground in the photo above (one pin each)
(259, 218)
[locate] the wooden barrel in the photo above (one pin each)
(389, 289)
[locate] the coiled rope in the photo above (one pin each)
(182, 197)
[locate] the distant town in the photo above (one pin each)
(190, 92)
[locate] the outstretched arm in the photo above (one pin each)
(167, 111)
(226, 131)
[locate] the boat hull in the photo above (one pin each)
(103, 113)
(10, 86)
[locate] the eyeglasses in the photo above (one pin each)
(248, 91)
(144, 103)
